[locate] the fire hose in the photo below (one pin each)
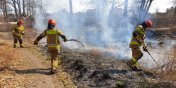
(68, 40)
(76, 41)
(154, 60)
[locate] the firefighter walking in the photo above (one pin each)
(18, 32)
(137, 41)
(52, 36)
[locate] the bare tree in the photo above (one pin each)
(19, 7)
(71, 7)
(24, 6)
(174, 5)
(112, 6)
(71, 13)
(3, 6)
(15, 8)
(142, 8)
(27, 6)
(30, 6)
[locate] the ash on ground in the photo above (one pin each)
(90, 69)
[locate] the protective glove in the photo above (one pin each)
(145, 48)
(65, 40)
(35, 43)
(63, 37)
(134, 34)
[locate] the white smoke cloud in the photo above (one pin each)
(39, 21)
(92, 23)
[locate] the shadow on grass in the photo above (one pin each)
(44, 71)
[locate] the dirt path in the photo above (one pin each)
(26, 68)
(38, 70)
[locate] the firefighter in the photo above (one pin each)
(137, 41)
(52, 36)
(18, 32)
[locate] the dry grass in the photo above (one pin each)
(170, 67)
(9, 60)
(6, 27)
(8, 54)
(95, 52)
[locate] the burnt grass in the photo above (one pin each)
(90, 69)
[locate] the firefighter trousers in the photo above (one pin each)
(55, 59)
(18, 38)
(136, 55)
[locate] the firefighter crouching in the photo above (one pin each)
(137, 41)
(18, 32)
(52, 36)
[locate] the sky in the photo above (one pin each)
(81, 5)
(161, 5)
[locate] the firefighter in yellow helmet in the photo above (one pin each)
(136, 42)
(18, 32)
(52, 35)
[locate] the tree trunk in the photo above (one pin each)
(24, 6)
(19, 8)
(143, 9)
(174, 14)
(15, 8)
(71, 13)
(112, 6)
(147, 7)
(150, 2)
(4, 7)
(126, 8)
(32, 7)
(27, 5)
(71, 8)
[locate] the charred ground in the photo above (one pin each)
(91, 69)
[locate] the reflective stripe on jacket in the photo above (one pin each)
(138, 36)
(52, 36)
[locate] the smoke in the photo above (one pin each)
(97, 23)
(39, 24)
(162, 50)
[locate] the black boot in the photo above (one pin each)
(52, 72)
(14, 46)
(134, 68)
(129, 65)
(137, 69)
(21, 46)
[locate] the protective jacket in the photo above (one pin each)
(52, 37)
(18, 31)
(138, 36)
